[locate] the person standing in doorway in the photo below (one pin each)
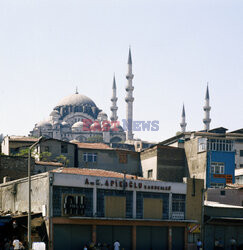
(199, 244)
(232, 243)
(116, 245)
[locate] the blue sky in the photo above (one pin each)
(48, 47)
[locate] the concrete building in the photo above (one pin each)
(210, 155)
(239, 176)
(101, 156)
(54, 150)
(81, 205)
(222, 222)
(164, 163)
(11, 145)
(14, 167)
(232, 194)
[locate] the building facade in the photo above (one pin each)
(210, 155)
(83, 205)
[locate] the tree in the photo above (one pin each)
(63, 159)
(45, 156)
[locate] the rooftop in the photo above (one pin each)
(95, 172)
(49, 163)
(92, 145)
(23, 138)
(221, 205)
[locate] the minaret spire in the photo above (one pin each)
(207, 109)
(76, 91)
(129, 98)
(183, 120)
(114, 107)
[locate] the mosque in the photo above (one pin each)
(77, 118)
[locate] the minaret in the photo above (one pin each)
(129, 98)
(183, 120)
(114, 107)
(207, 109)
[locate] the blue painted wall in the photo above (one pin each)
(229, 165)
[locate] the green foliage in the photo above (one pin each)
(63, 159)
(95, 139)
(45, 156)
(24, 152)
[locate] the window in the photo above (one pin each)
(90, 157)
(122, 157)
(241, 165)
(64, 148)
(217, 185)
(217, 167)
(241, 153)
(115, 207)
(178, 203)
(152, 208)
(202, 144)
(150, 173)
(220, 145)
(222, 192)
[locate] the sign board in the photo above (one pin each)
(227, 177)
(194, 228)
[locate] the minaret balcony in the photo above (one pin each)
(129, 76)
(129, 99)
(206, 120)
(114, 108)
(206, 108)
(114, 99)
(128, 88)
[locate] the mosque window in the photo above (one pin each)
(241, 153)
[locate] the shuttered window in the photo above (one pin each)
(152, 208)
(115, 207)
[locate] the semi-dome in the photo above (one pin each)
(55, 113)
(102, 116)
(78, 125)
(76, 100)
(44, 123)
(65, 124)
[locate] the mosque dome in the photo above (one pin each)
(78, 125)
(102, 116)
(65, 124)
(54, 113)
(95, 126)
(77, 103)
(76, 100)
(44, 123)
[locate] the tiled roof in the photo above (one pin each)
(234, 186)
(49, 163)
(217, 204)
(95, 172)
(23, 138)
(92, 145)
